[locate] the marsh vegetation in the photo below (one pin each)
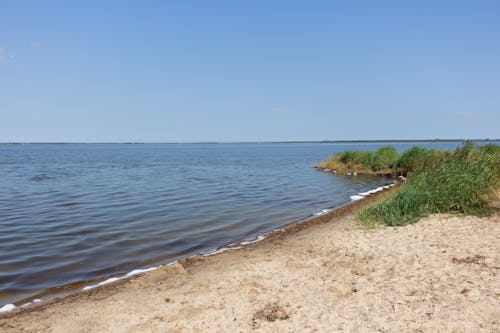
(461, 181)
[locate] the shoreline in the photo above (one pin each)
(323, 274)
(62, 292)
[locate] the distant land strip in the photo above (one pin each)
(251, 142)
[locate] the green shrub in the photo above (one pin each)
(360, 158)
(384, 158)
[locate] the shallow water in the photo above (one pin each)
(78, 212)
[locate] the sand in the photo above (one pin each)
(329, 275)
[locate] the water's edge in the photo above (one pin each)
(83, 286)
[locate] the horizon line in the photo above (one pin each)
(246, 142)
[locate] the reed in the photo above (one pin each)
(362, 161)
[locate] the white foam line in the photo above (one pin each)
(7, 308)
(362, 195)
(114, 279)
(356, 197)
(10, 307)
(139, 271)
(110, 280)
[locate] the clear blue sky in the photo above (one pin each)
(165, 71)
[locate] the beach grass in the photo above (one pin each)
(464, 181)
(362, 161)
(419, 158)
(461, 181)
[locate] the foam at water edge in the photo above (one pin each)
(322, 212)
(362, 195)
(36, 300)
(10, 307)
(114, 279)
(356, 197)
(7, 308)
(230, 248)
(139, 271)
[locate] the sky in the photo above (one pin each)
(191, 71)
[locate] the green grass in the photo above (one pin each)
(460, 182)
(362, 161)
(418, 158)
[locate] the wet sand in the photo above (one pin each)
(323, 275)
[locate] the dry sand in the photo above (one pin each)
(439, 275)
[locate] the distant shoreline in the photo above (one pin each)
(248, 142)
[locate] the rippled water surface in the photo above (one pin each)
(78, 212)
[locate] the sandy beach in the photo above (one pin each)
(324, 275)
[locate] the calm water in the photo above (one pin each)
(73, 213)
